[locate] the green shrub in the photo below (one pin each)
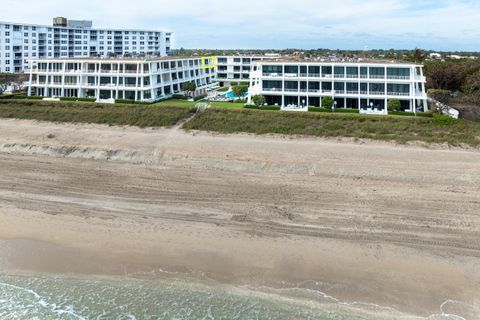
(223, 89)
(180, 97)
(77, 99)
(346, 110)
(401, 113)
(444, 120)
(259, 100)
(317, 109)
(327, 102)
(240, 90)
(394, 105)
(124, 101)
(274, 108)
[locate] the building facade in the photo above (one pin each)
(237, 68)
(361, 85)
(120, 78)
(20, 43)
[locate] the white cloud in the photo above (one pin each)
(276, 23)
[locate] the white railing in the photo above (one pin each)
(352, 76)
(398, 77)
(377, 77)
(398, 94)
(352, 92)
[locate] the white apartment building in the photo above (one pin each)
(147, 79)
(237, 68)
(20, 42)
(358, 85)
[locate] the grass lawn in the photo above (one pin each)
(389, 128)
(188, 104)
(87, 112)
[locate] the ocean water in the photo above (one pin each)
(53, 297)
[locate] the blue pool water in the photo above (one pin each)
(231, 95)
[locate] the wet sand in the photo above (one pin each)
(394, 226)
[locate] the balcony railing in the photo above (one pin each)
(377, 93)
(272, 74)
(314, 75)
(352, 76)
(398, 93)
(377, 76)
(314, 90)
(291, 90)
(339, 75)
(352, 92)
(272, 89)
(324, 75)
(398, 77)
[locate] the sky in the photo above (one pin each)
(448, 25)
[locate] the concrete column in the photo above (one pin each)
(30, 80)
(63, 78)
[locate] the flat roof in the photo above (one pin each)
(82, 28)
(115, 59)
(299, 60)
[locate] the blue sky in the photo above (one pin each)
(277, 24)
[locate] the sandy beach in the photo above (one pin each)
(373, 224)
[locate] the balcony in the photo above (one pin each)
(352, 76)
(272, 74)
(314, 75)
(398, 77)
(314, 90)
(352, 92)
(328, 76)
(291, 90)
(377, 93)
(273, 89)
(339, 76)
(405, 94)
(377, 76)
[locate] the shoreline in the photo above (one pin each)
(389, 225)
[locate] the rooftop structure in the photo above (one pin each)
(21, 42)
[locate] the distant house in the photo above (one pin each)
(435, 56)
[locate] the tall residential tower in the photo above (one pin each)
(20, 42)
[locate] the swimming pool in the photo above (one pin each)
(231, 95)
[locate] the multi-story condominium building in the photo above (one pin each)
(20, 42)
(359, 85)
(139, 79)
(237, 68)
